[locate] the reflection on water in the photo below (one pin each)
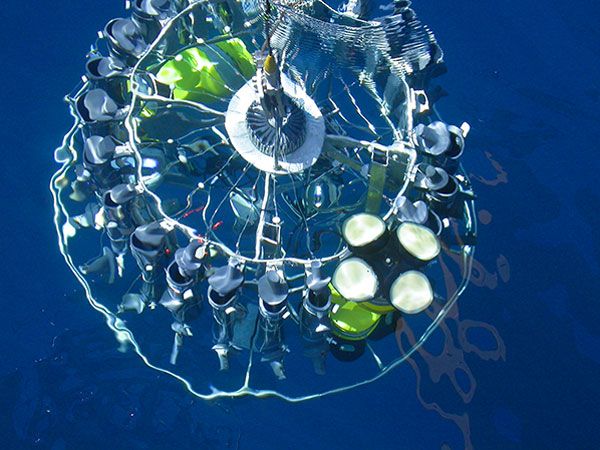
(441, 373)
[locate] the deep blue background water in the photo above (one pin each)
(524, 74)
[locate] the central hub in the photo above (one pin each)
(277, 134)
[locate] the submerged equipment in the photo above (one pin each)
(271, 188)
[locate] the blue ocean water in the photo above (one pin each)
(525, 76)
